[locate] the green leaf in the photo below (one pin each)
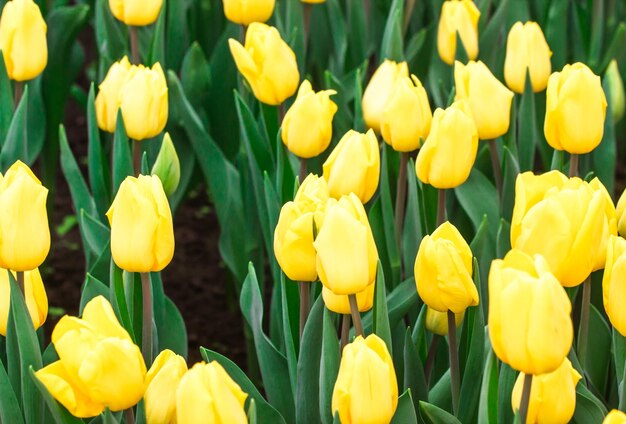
(36, 120)
(478, 197)
(381, 317)
(414, 229)
(405, 412)
(96, 234)
(58, 411)
(6, 101)
(414, 379)
(388, 218)
(111, 35)
(16, 142)
(488, 403)
(527, 126)
(503, 243)
(338, 31)
(173, 332)
(10, 411)
(604, 156)
(506, 381)
(265, 412)
(329, 367)
(78, 187)
(290, 350)
(435, 415)
(619, 353)
(92, 288)
(557, 32)
(399, 302)
(474, 338)
(122, 156)
(98, 166)
(392, 46)
(118, 299)
(510, 172)
(157, 44)
(307, 392)
(599, 349)
(587, 411)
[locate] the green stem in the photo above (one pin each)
(573, 165)
(146, 339)
(356, 316)
(304, 304)
(401, 199)
(441, 207)
(523, 410)
(20, 281)
(134, 44)
(497, 170)
(19, 91)
(345, 330)
(583, 330)
(455, 374)
(137, 156)
(303, 172)
(129, 416)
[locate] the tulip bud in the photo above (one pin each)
(99, 366)
(308, 124)
(379, 89)
(23, 40)
(267, 63)
(437, 322)
(406, 117)
(443, 271)
(167, 166)
(34, 293)
(458, 16)
(136, 12)
(567, 221)
(552, 395)
(108, 98)
(346, 253)
(244, 12)
(616, 91)
(161, 383)
(614, 283)
(615, 417)
(529, 314)
(142, 234)
(446, 158)
(293, 236)
(340, 304)
(24, 227)
(527, 52)
(488, 99)
(366, 390)
(206, 393)
(575, 110)
(620, 212)
(354, 166)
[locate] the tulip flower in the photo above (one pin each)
(206, 393)
(616, 91)
(446, 158)
(34, 293)
(552, 395)
(567, 221)
(267, 63)
(308, 124)
(293, 236)
(366, 390)
(341, 305)
(354, 166)
(379, 89)
(443, 271)
(142, 234)
(527, 52)
(406, 116)
(615, 417)
(108, 98)
(529, 314)
(346, 253)
(161, 383)
(136, 12)
(24, 231)
(614, 283)
(99, 366)
(488, 99)
(620, 212)
(575, 110)
(23, 40)
(458, 16)
(244, 12)
(437, 322)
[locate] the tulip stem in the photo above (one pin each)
(307, 22)
(137, 156)
(573, 165)
(302, 174)
(129, 416)
(455, 374)
(523, 410)
(20, 281)
(19, 91)
(401, 200)
(134, 44)
(583, 330)
(430, 358)
(146, 345)
(441, 207)
(356, 316)
(345, 330)
(304, 304)
(497, 170)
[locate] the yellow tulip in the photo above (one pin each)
(308, 124)
(620, 212)
(527, 51)
(567, 221)
(366, 390)
(615, 417)
(313, 1)
(616, 91)
(437, 322)
(406, 117)
(443, 271)
(489, 99)
(354, 166)
(142, 234)
(23, 40)
(24, 231)
(136, 12)
(346, 253)
(340, 304)
(293, 236)
(552, 395)
(575, 110)
(108, 98)
(379, 89)
(161, 383)
(458, 16)
(206, 393)
(614, 283)
(529, 314)
(267, 63)
(99, 366)
(446, 158)
(244, 12)
(34, 293)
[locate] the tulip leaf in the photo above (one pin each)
(265, 412)
(556, 32)
(10, 411)
(57, 411)
(441, 393)
(604, 156)
(16, 142)
(6, 101)
(157, 43)
(329, 367)
(92, 288)
(414, 379)
(488, 402)
(359, 122)
(388, 219)
(615, 49)
(399, 302)
(392, 46)
(172, 331)
(122, 156)
(473, 339)
(414, 230)
(506, 381)
(118, 299)
(599, 349)
(98, 166)
(405, 411)
(434, 415)
(286, 330)
(36, 117)
(338, 32)
(587, 410)
(510, 171)
(503, 243)
(307, 391)
(619, 353)
(527, 127)
(110, 34)
(381, 317)
(492, 34)
(96, 234)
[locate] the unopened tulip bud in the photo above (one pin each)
(34, 293)
(614, 283)
(167, 166)
(437, 322)
(615, 417)
(527, 52)
(458, 16)
(244, 12)
(379, 89)
(616, 91)
(136, 12)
